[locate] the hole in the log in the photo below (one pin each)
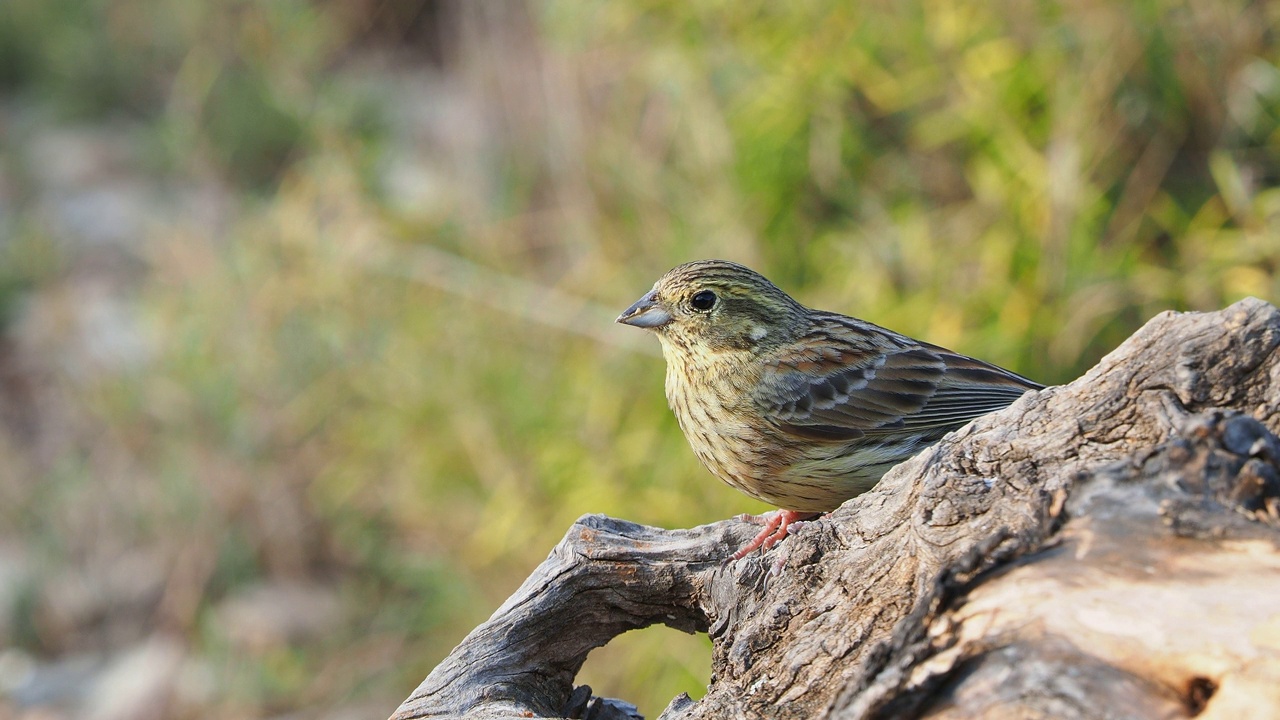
(649, 667)
(1199, 690)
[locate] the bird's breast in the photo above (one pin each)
(737, 445)
(722, 428)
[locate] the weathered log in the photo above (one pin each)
(1107, 548)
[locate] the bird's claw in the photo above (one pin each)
(777, 525)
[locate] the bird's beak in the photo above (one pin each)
(645, 313)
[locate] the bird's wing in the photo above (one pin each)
(838, 384)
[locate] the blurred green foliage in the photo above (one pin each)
(414, 395)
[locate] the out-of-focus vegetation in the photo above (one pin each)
(307, 353)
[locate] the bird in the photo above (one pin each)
(802, 408)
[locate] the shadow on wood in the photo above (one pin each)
(1107, 548)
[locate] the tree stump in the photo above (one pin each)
(1107, 548)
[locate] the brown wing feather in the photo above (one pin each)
(848, 379)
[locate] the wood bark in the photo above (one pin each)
(1107, 548)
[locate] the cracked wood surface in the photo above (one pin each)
(1106, 548)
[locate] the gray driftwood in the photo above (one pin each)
(1107, 548)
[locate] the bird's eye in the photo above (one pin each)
(703, 300)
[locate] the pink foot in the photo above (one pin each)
(776, 526)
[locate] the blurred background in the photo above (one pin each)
(307, 354)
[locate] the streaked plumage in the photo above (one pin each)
(801, 408)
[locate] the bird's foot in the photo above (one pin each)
(777, 525)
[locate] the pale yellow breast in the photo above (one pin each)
(708, 406)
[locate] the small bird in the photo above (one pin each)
(802, 408)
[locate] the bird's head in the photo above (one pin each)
(715, 305)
